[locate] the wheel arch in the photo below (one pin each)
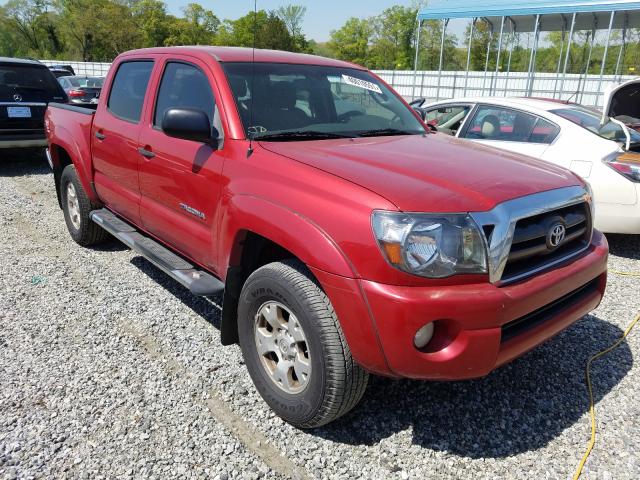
(258, 232)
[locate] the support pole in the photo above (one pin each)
(492, 88)
(606, 51)
(623, 47)
(532, 57)
(415, 62)
(512, 42)
(586, 70)
(563, 38)
(466, 78)
(566, 58)
(444, 32)
(486, 63)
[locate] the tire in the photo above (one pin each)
(76, 210)
(333, 383)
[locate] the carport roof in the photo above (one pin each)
(555, 13)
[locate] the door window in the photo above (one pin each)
(447, 119)
(507, 125)
(183, 86)
(128, 90)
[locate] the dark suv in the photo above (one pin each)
(26, 87)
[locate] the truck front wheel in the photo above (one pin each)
(294, 348)
(77, 207)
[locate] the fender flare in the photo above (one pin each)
(284, 227)
(290, 229)
(65, 141)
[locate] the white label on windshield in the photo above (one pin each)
(356, 82)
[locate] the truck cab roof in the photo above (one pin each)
(242, 54)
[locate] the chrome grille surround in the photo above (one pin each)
(502, 220)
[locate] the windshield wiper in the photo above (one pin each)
(300, 135)
(380, 132)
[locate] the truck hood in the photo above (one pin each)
(432, 173)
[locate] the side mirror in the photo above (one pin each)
(421, 112)
(188, 124)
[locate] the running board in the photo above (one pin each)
(197, 281)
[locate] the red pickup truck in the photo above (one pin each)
(344, 236)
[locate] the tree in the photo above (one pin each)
(198, 27)
(351, 42)
(292, 16)
(153, 22)
(267, 28)
(392, 41)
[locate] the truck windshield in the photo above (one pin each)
(591, 121)
(311, 102)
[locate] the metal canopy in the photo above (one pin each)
(554, 13)
(532, 16)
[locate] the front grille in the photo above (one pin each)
(532, 249)
(542, 315)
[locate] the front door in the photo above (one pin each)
(180, 180)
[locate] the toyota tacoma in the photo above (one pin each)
(344, 237)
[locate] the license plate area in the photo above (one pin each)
(18, 112)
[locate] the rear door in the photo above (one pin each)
(510, 129)
(115, 132)
(180, 180)
(25, 91)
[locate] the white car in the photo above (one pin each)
(562, 133)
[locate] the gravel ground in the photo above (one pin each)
(110, 369)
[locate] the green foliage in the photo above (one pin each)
(98, 30)
(351, 42)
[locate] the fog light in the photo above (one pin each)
(423, 336)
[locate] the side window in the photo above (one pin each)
(504, 124)
(128, 90)
(183, 86)
(447, 118)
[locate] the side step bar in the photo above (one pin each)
(197, 281)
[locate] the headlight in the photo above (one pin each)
(433, 246)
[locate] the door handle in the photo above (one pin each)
(146, 153)
(100, 136)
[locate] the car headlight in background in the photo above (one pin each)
(433, 246)
(626, 164)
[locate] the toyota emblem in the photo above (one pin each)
(556, 235)
(17, 97)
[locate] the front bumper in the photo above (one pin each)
(470, 319)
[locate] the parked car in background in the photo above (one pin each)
(68, 68)
(600, 149)
(339, 234)
(82, 90)
(59, 72)
(26, 87)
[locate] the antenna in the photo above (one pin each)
(253, 75)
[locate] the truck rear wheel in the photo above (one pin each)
(294, 348)
(76, 207)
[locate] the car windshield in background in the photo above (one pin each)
(30, 82)
(86, 82)
(590, 120)
(307, 102)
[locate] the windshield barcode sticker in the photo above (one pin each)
(356, 82)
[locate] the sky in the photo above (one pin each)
(322, 15)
